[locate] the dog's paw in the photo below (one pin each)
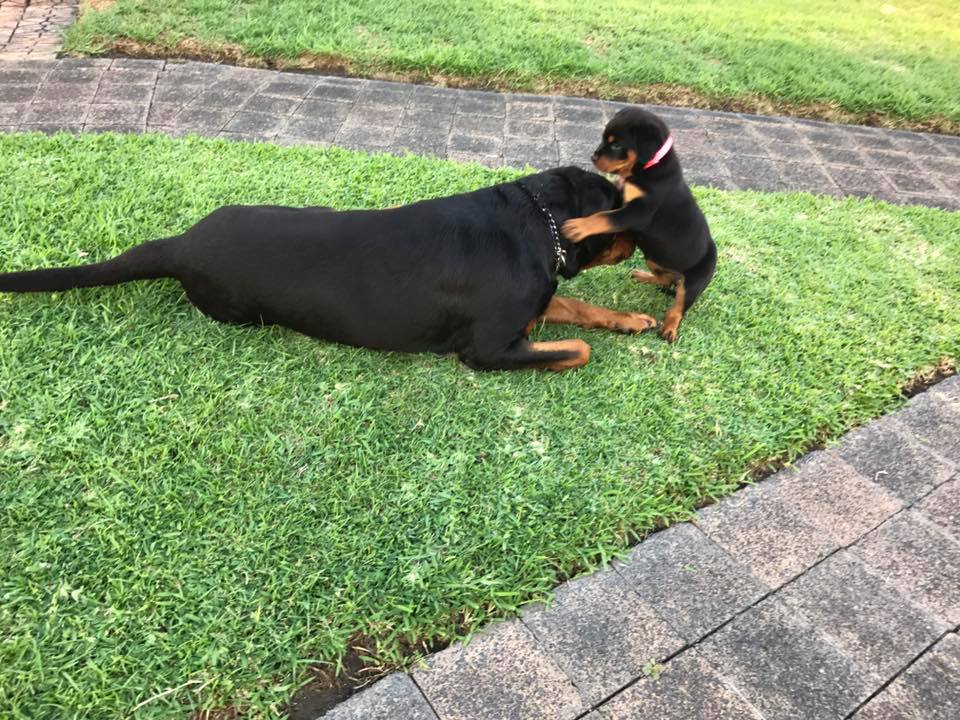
(668, 333)
(635, 323)
(576, 229)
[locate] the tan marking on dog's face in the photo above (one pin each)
(623, 168)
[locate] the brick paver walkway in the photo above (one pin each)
(33, 29)
(722, 149)
(829, 591)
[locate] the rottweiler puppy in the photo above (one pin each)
(469, 274)
(659, 211)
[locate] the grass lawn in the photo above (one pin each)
(187, 502)
(852, 60)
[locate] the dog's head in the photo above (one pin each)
(573, 192)
(632, 136)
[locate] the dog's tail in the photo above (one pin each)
(143, 262)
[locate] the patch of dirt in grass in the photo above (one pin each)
(947, 367)
(96, 5)
(654, 94)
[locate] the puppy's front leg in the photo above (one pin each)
(632, 216)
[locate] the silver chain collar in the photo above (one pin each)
(559, 252)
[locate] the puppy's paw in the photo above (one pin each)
(577, 229)
(635, 323)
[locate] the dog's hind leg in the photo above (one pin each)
(522, 354)
(689, 287)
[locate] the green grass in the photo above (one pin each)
(182, 500)
(853, 56)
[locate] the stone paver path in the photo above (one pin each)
(829, 591)
(33, 29)
(725, 150)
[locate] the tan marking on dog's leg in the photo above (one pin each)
(579, 347)
(567, 311)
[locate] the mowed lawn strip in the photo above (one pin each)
(186, 502)
(858, 60)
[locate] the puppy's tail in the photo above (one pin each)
(143, 262)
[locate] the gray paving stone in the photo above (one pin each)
(124, 93)
(477, 103)
(335, 93)
(17, 92)
(66, 92)
(942, 507)
(778, 134)
(580, 114)
(12, 113)
(290, 86)
(917, 558)
(395, 697)
(530, 110)
(836, 498)
(784, 667)
(74, 74)
(601, 633)
(201, 118)
(117, 114)
(810, 177)
(927, 690)
(272, 104)
(362, 137)
(830, 136)
(853, 179)
(426, 118)
(52, 128)
(687, 689)
(312, 129)
(220, 99)
(55, 113)
(893, 459)
(439, 100)
(934, 423)
(538, 154)
(871, 139)
(691, 583)
(912, 182)
(942, 165)
(795, 152)
(491, 161)
(487, 146)
(323, 110)
(892, 160)
(868, 620)
(753, 173)
(528, 129)
(948, 391)
(502, 674)
(124, 128)
(761, 530)
(136, 75)
(258, 124)
(478, 125)
(840, 156)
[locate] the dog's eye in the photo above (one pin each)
(614, 146)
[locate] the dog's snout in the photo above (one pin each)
(595, 156)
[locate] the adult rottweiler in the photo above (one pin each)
(659, 211)
(469, 274)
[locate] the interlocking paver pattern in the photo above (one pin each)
(725, 150)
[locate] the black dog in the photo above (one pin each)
(469, 274)
(659, 211)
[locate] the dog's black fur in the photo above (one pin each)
(659, 211)
(466, 274)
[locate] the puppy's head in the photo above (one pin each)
(632, 136)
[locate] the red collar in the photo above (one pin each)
(658, 156)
